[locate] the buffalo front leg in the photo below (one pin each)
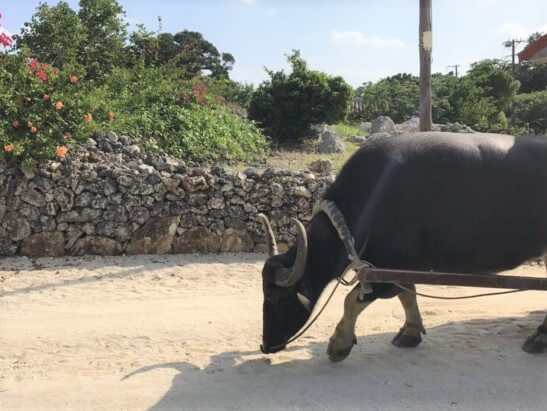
(343, 339)
(410, 334)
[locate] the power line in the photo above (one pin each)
(455, 67)
(511, 43)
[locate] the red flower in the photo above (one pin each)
(61, 151)
(46, 97)
(68, 135)
(34, 65)
(73, 79)
(33, 130)
(42, 75)
(88, 117)
(59, 105)
(8, 148)
(44, 66)
(16, 124)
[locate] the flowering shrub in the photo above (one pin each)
(5, 40)
(43, 109)
(39, 105)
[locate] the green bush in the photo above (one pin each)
(530, 110)
(397, 97)
(287, 106)
(161, 108)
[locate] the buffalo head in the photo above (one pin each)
(285, 308)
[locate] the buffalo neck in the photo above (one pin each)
(327, 257)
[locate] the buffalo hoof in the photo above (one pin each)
(536, 343)
(408, 336)
(339, 349)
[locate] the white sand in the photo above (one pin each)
(182, 332)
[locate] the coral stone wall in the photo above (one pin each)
(107, 197)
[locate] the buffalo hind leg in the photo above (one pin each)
(537, 342)
(343, 339)
(410, 333)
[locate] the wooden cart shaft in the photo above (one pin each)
(381, 275)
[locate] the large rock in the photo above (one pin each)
(96, 245)
(378, 136)
(237, 241)
(7, 247)
(197, 240)
(331, 143)
(382, 124)
(17, 226)
(154, 237)
(322, 167)
(45, 244)
(359, 140)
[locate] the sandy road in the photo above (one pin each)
(182, 332)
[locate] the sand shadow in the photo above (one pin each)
(474, 364)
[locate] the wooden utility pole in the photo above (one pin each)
(426, 44)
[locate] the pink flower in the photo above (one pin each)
(42, 75)
(5, 40)
(34, 65)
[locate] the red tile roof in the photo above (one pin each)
(533, 48)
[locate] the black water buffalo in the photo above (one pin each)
(472, 203)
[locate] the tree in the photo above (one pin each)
(102, 49)
(532, 38)
(397, 97)
(94, 37)
(186, 49)
(496, 82)
(288, 105)
(55, 35)
(532, 76)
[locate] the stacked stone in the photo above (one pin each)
(109, 197)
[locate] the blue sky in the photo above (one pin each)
(361, 40)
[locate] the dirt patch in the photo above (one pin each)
(182, 332)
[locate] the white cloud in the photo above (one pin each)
(517, 30)
(272, 11)
(356, 38)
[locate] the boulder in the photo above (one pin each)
(331, 143)
(377, 136)
(96, 245)
(382, 124)
(359, 140)
(154, 237)
(237, 241)
(45, 244)
(197, 240)
(17, 226)
(321, 167)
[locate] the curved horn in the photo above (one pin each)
(338, 221)
(270, 237)
(287, 277)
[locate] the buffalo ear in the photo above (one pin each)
(304, 301)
